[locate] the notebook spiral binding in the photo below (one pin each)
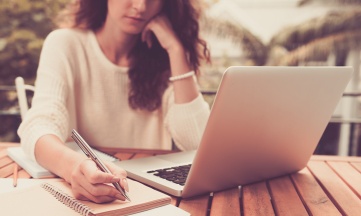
(67, 200)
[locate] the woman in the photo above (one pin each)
(123, 76)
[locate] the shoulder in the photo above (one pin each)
(66, 42)
(67, 37)
(68, 33)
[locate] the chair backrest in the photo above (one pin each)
(21, 89)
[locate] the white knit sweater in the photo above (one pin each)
(78, 87)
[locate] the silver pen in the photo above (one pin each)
(91, 154)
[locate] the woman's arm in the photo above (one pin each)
(87, 181)
(185, 90)
(187, 117)
(53, 155)
(46, 126)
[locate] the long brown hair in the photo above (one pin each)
(150, 69)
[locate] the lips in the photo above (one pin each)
(135, 19)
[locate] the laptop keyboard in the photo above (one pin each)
(176, 174)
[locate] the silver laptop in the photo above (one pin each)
(265, 122)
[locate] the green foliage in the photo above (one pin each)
(23, 26)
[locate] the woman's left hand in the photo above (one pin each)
(163, 30)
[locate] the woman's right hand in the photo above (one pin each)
(90, 183)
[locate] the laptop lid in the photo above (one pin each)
(265, 122)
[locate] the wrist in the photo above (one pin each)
(182, 76)
(176, 49)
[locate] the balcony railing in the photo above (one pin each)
(12, 111)
(354, 131)
(210, 93)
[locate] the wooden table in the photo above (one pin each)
(330, 185)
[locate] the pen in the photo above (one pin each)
(15, 175)
(91, 154)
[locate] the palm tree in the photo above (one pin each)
(253, 48)
(314, 40)
(342, 2)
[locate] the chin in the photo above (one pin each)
(133, 29)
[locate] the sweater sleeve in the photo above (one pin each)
(48, 113)
(186, 122)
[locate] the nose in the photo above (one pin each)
(140, 5)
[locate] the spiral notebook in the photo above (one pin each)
(55, 198)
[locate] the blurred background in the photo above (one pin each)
(239, 32)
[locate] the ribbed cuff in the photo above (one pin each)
(197, 104)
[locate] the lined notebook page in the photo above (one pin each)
(6, 184)
(38, 201)
(33, 201)
(142, 197)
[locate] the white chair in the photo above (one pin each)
(21, 89)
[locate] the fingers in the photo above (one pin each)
(124, 184)
(94, 175)
(155, 26)
(149, 41)
(146, 36)
(162, 29)
(116, 170)
(97, 193)
(121, 173)
(89, 183)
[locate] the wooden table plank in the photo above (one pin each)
(142, 155)
(226, 203)
(197, 206)
(357, 166)
(342, 196)
(3, 153)
(23, 174)
(312, 194)
(335, 158)
(256, 200)
(4, 145)
(349, 174)
(4, 161)
(285, 198)
(124, 156)
(7, 170)
(175, 201)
